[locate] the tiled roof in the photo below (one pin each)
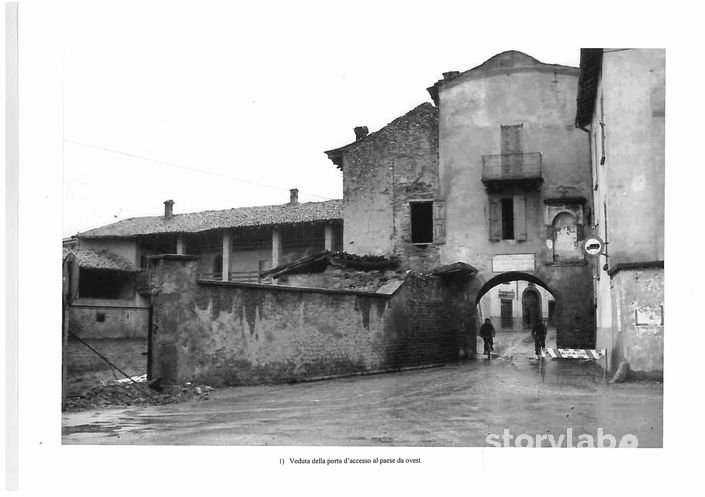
(422, 111)
(195, 222)
(100, 259)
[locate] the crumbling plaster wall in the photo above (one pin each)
(234, 334)
(471, 111)
(120, 319)
(638, 311)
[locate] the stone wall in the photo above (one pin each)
(381, 175)
(234, 334)
(515, 90)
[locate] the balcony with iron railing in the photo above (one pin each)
(505, 170)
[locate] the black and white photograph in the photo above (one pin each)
(342, 237)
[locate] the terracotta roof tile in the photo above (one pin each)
(195, 222)
(100, 259)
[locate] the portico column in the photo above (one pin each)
(276, 247)
(180, 245)
(226, 255)
(328, 232)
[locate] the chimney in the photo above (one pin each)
(168, 209)
(360, 132)
(450, 75)
(294, 196)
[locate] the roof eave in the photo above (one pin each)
(590, 71)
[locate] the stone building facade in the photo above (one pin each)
(110, 298)
(391, 202)
(495, 176)
(621, 107)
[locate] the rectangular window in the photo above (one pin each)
(421, 222)
(507, 219)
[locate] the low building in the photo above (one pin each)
(110, 292)
(622, 107)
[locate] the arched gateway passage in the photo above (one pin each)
(514, 302)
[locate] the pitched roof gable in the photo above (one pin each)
(424, 110)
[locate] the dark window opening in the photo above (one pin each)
(105, 284)
(507, 219)
(506, 313)
(422, 222)
(100, 317)
(218, 264)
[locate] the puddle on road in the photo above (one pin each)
(94, 428)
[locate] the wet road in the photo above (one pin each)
(456, 405)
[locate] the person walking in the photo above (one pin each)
(539, 333)
(487, 334)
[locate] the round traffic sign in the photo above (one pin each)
(593, 246)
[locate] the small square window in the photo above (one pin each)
(100, 317)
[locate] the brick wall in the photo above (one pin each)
(234, 334)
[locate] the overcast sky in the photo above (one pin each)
(250, 95)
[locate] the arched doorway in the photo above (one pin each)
(531, 307)
(514, 302)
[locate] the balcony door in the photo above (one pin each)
(512, 149)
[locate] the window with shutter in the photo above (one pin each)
(507, 206)
(519, 217)
(495, 220)
(511, 139)
(439, 221)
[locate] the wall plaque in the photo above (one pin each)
(513, 262)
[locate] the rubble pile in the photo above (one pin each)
(125, 393)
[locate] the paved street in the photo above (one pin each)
(455, 405)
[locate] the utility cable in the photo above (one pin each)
(187, 168)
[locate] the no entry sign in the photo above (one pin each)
(593, 246)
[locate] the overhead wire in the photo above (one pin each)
(189, 168)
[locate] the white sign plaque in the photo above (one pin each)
(513, 262)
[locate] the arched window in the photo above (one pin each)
(565, 237)
(218, 264)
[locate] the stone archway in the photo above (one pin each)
(573, 312)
